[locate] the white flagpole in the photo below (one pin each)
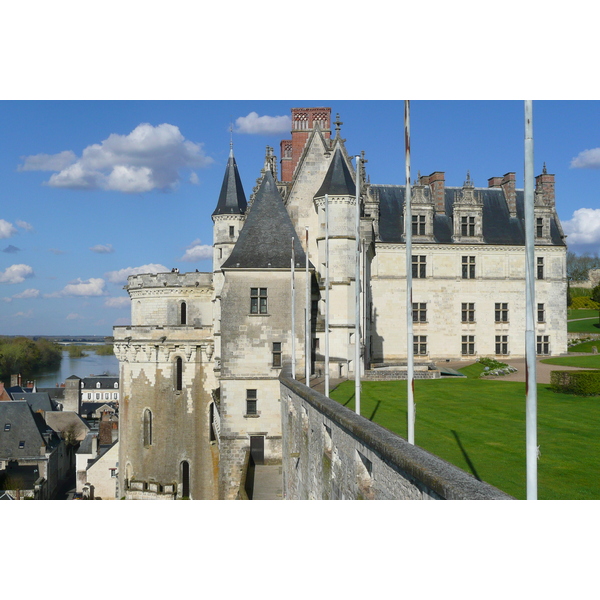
(531, 401)
(307, 348)
(327, 295)
(357, 300)
(293, 314)
(410, 353)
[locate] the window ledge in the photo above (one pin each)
(251, 416)
(259, 314)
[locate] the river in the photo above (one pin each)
(86, 366)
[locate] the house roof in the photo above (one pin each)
(106, 382)
(498, 226)
(265, 240)
(62, 420)
(338, 180)
(21, 431)
(232, 199)
(37, 400)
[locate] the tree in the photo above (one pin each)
(596, 298)
(578, 266)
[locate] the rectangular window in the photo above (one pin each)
(468, 267)
(539, 228)
(22, 444)
(468, 312)
(467, 226)
(277, 354)
(418, 267)
(251, 408)
(231, 231)
(419, 312)
(418, 225)
(468, 345)
(541, 313)
(420, 344)
(6, 426)
(540, 267)
(543, 344)
(501, 344)
(258, 301)
(501, 312)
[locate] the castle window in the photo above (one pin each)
(277, 354)
(147, 428)
(543, 344)
(468, 345)
(419, 263)
(258, 301)
(183, 313)
(251, 401)
(540, 267)
(501, 312)
(419, 312)
(468, 267)
(468, 312)
(467, 226)
(420, 344)
(231, 231)
(418, 225)
(541, 313)
(185, 479)
(539, 227)
(178, 374)
(501, 344)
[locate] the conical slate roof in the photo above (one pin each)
(266, 238)
(232, 199)
(338, 180)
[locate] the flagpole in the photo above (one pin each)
(357, 299)
(326, 295)
(531, 386)
(307, 348)
(410, 387)
(293, 314)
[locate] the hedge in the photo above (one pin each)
(580, 383)
(584, 302)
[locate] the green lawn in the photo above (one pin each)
(590, 325)
(585, 346)
(479, 426)
(585, 362)
(581, 313)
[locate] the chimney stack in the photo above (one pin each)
(437, 183)
(545, 182)
(494, 182)
(508, 184)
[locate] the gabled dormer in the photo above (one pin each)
(467, 215)
(422, 212)
(543, 207)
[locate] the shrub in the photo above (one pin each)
(580, 383)
(585, 302)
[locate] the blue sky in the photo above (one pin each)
(95, 190)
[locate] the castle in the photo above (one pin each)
(200, 363)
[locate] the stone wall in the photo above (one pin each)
(330, 453)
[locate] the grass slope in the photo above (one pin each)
(479, 426)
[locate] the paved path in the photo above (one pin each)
(268, 483)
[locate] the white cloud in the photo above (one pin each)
(588, 159)
(25, 225)
(197, 251)
(48, 162)
(56, 251)
(122, 275)
(29, 293)
(73, 317)
(119, 302)
(16, 274)
(80, 287)
(194, 178)
(148, 158)
(264, 125)
(584, 227)
(25, 315)
(6, 229)
(102, 249)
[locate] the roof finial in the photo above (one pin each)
(231, 138)
(338, 125)
(468, 182)
(544, 172)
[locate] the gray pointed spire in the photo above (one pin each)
(232, 199)
(265, 239)
(338, 180)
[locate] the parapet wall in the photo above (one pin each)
(331, 453)
(172, 279)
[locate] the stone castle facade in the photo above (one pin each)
(200, 363)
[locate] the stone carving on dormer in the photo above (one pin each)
(422, 212)
(467, 214)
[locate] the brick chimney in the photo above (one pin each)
(303, 122)
(437, 183)
(494, 182)
(508, 184)
(545, 182)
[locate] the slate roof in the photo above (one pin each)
(265, 240)
(25, 426)
(106, 383)
(338, 180)
(37, 400)
(499, 228)
(232, 199)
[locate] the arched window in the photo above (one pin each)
(179, 373)
(185, 479)
(183, 313)
(147, 428)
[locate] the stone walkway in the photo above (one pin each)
(268, 483)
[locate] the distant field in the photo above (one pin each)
(479, 426)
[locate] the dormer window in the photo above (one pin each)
(98, 385)
(467, 226)
(22, 444)
(418, 224)
(6, 426)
